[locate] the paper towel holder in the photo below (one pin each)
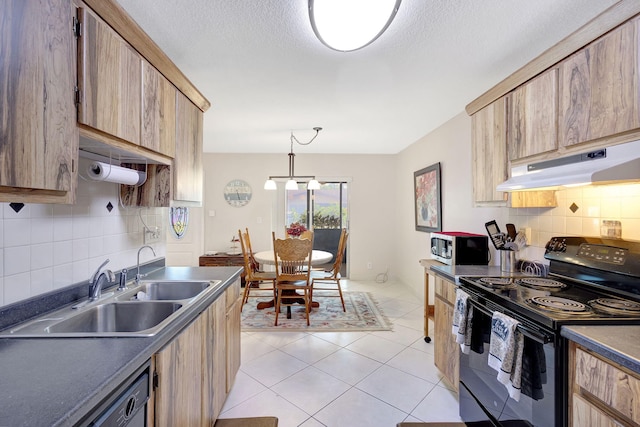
(142, 175)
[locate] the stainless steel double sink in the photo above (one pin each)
(141, 310)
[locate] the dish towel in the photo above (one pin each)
(462, 320)
(505, 352)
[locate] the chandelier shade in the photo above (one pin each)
(348, 25)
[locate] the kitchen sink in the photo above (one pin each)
(140, 310)
(117, 317)
(172, 290)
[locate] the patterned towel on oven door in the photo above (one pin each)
(462, 318)
(505, 352)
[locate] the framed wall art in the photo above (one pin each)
(428, 200)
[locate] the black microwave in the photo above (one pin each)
(459, 248)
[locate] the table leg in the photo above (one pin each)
(268, 304)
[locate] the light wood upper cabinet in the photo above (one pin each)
(600, 88)
(188, 157)
(489, 145)
(533, 116)
(109, 79)
(38, 134)
(158, 112)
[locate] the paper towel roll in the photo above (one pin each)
(99, 171)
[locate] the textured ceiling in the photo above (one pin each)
(265, 74)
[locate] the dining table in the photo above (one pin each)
(267, 258)
(317, 257)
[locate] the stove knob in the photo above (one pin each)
(550, 245)
(562, 247)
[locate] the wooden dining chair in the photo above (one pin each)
(253, 278)
(330, 280)
(292, 259)
(307, 235)
(247, 242)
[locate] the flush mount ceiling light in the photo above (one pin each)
(347, 25)
(292, 178)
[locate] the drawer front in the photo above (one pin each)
(616, 388)
(585, 414)
(221, 261)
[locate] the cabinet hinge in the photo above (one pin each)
(155, 380)
(77, 27)
(78, 94)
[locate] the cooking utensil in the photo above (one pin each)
(497, 238)
(511, 232)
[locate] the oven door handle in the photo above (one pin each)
(540, 337)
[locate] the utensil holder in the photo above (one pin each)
(507, 261)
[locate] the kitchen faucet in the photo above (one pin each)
(138, 275)
(95, 283)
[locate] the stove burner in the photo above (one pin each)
(496, 282)
(561, 305)
(541, 283)
(616, 306)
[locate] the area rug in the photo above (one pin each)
(363, 314)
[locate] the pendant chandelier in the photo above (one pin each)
(292, 178)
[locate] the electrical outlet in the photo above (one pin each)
(369, 265)
(151, 235)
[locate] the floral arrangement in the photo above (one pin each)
(296, 229)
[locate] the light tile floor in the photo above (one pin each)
(333, 379)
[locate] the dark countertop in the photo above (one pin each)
(454, 272)
(620, 344)
(58, 381)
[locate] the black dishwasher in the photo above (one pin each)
(127, 406)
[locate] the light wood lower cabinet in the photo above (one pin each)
(603, 393)
(179, 369)
(585, 414)
(196, 369)
(233, 343)
(446, 350)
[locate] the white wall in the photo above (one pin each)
(45, 247)
(372, 209)
(186, 251)
(450, 145)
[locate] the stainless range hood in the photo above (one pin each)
(619, 163)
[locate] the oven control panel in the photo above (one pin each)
(607, 254)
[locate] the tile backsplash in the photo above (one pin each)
(45, 247)
(580, 212)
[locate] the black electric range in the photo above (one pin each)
(590, 281)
